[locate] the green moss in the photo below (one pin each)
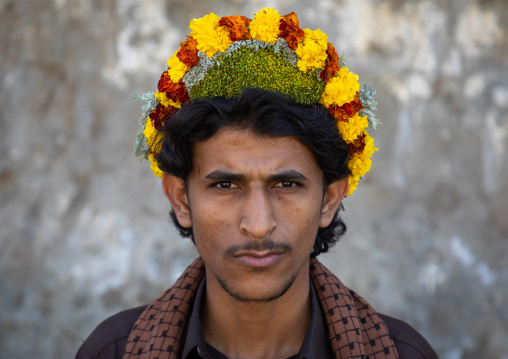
(263, 68)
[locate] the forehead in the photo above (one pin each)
(243, 150)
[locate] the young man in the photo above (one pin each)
(257, 139)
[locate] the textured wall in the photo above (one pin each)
(83, 225)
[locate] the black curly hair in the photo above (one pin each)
(265, 113)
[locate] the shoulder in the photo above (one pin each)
(409, 343)
(108, 340)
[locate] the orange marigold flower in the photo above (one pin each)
(160, 115)
(175, 92)
(332, 64)
(237, 26)
(164, 82)
(290, 30)
(178, 92)
(188, 53)
(357, 146)
(342, 113)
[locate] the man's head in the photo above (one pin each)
(265, 114)
(251, 191)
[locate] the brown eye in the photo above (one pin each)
(287, 184)
(225, 185)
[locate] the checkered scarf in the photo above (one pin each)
(355, 330)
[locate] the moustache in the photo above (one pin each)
(265, 245)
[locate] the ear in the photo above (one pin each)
(334, 194)
(174, 189)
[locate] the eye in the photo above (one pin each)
(224, 185)
(287, 184)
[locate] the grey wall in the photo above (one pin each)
(83, 225)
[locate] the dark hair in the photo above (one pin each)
(265, 113)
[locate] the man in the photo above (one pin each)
(257, 138)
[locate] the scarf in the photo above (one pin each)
(355, 330)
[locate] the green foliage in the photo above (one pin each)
(265, 68)
(150, 102)
(369, 105)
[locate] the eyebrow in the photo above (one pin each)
(225, 175)
(285, 175)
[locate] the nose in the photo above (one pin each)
(257, 219)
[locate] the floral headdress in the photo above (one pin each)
(223, 56)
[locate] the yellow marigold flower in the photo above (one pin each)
(341, 89)
(312, 51)
(354, 126)
(210, 37)
(150, 132)
(155, 166)
(359, 164)
(369, 145)
(353, 183)
(177, 69)
(151, 136)
(265, 25)
(165, 101)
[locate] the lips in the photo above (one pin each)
(255, 259)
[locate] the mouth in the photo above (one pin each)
(259, 259)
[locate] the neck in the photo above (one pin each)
(274, 329)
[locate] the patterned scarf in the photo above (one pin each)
(355, 330)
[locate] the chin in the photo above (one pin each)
(253, 295)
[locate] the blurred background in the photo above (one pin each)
(84, 229)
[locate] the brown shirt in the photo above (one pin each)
(108, 340)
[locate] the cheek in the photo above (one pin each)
(212, 229)
(306, 211)
(303, 219)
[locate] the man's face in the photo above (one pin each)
(255, 208)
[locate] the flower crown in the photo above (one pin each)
(223, 56)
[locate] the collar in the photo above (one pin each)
(315, 344)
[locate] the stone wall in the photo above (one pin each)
(84, 228)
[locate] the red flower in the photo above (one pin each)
(178, 92)
(332, 64)
(175, 92)
(237, 26)
(161, 114)
(357, 145)
(188, 53)
(290, 30)
(342, 113)
(164, 82)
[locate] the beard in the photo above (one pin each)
(246, 299)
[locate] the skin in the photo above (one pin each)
(255, 205)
